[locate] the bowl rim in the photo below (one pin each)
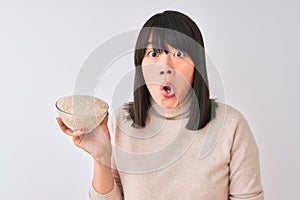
(59, 109)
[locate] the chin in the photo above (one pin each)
(169, 103)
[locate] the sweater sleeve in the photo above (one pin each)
(115, 194)
(244, 179)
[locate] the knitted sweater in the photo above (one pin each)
(164, 160)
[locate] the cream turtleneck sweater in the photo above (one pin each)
(164, 160)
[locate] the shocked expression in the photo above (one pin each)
(168, 74)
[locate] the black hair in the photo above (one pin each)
(179, 31)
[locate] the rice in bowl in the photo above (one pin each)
(81, 111)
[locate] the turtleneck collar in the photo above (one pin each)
(179, 112)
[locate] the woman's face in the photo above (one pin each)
(168, 75)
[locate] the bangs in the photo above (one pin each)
(160, 38)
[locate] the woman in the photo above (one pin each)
(172, 141)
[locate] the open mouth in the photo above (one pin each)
(167, 90)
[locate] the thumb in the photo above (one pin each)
(104, 121)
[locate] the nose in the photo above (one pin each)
(166, 64)
(166, 70)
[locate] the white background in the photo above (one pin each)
(43, 44)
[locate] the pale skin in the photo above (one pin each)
(177, 61)
(103, 180)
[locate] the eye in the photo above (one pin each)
(152, 54)
(178, 54)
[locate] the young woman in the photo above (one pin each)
(172, 141)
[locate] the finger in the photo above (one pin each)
(103, 124)
(66, 130)
(63, 127)
(104, 121)
(77, 140)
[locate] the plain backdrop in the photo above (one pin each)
(253, 44)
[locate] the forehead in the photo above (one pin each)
(158, 42)
(166, 38)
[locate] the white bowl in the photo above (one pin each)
(81, 111)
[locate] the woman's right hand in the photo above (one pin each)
(97, 143)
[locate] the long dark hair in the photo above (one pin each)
(181, 32)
